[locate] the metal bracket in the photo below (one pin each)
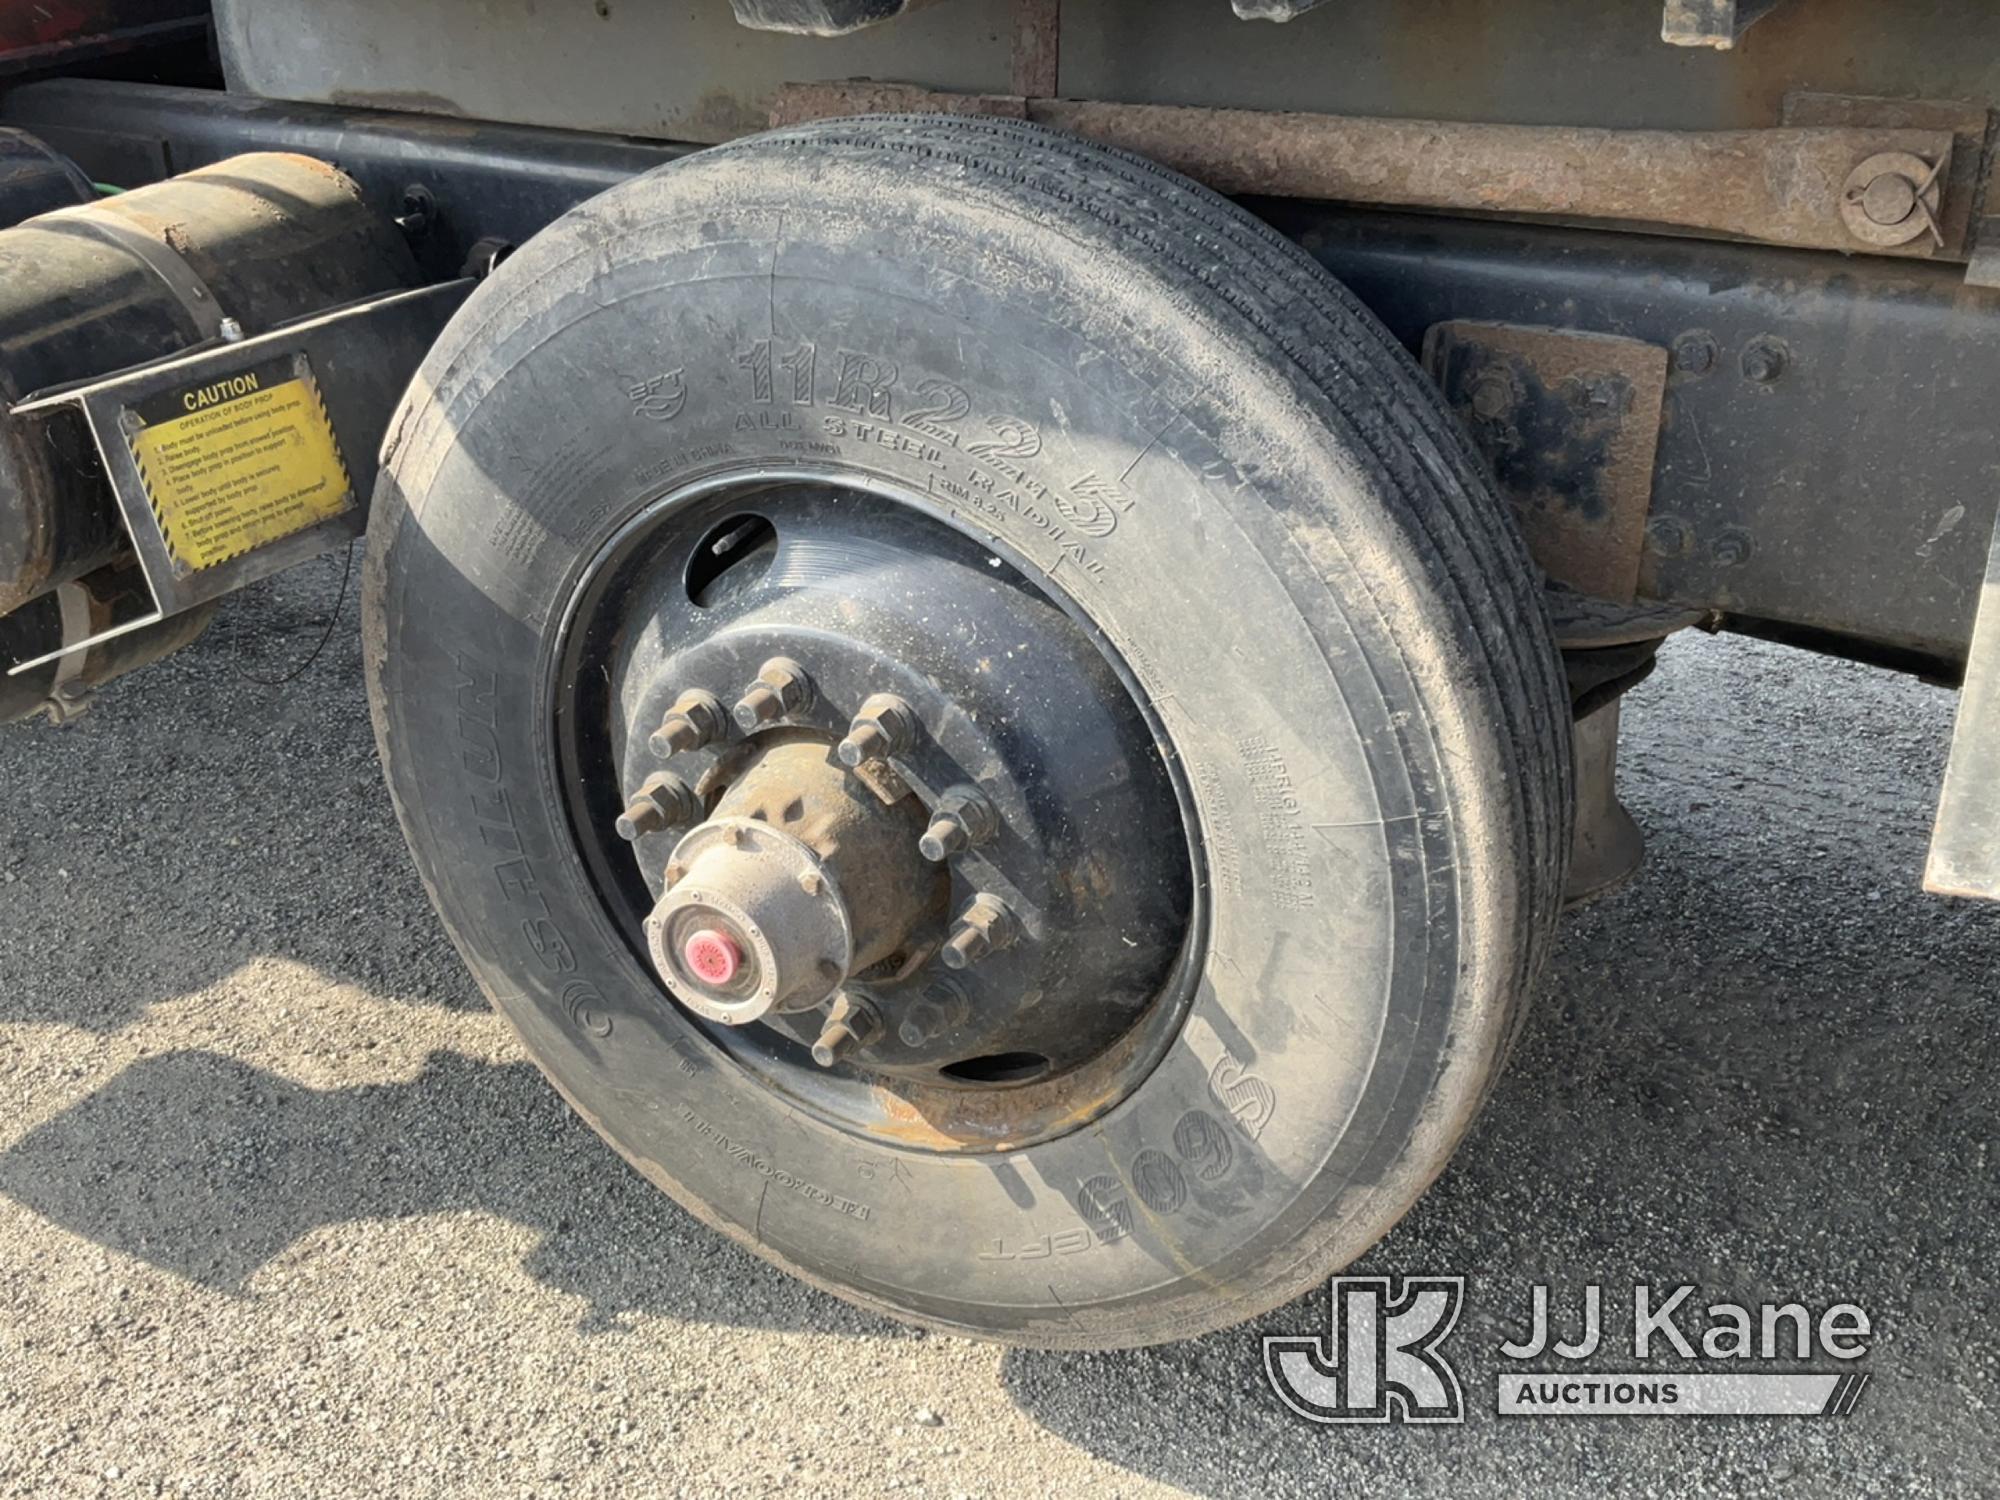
(357, 358)
(1943, 186)
(1783, 186)
(1036, 63)
(1570, 422)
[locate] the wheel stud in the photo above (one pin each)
(983, 928)
(963, 818)
(781, 688)
(664, 801)
(850, 1023)
(696, 719)
(941, 1007)
(917, 1025)
(885, 726)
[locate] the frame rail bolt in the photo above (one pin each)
(663, 801)
(982, 929)
(1694, 353)
(696, 719)
(782, 687)
(1763, 360)
(964, 817)
(885, 726)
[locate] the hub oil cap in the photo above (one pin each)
(754, 925)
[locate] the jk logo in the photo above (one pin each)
(1380, 1361)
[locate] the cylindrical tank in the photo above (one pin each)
(89, 606)
(35, 179)
(225, 252)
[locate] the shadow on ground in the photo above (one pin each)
(209, 1168)
(195, 819)
(1769, 1068)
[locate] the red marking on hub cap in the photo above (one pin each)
(713, 956)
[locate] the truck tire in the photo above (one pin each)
(1176, 563)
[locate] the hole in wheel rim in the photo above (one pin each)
(999, 1067)
(733, 555)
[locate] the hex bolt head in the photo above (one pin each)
(885, 726)
(964, 817)
(1492, 395)
(984, 927)
(1669, 536)
(696, 719)
(1731, 548)
(850, 1024)
(782, 687)
(663, 801)
(1763, 361)
(1694, 354)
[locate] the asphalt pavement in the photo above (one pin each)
(285, 1211)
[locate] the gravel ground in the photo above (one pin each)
(284, 1211)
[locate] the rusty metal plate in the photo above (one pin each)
(1784, 186)
(1570, 422)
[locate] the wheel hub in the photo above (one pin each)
(757, 917)
(897, 815)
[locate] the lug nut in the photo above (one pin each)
(984, 927)
(941, 1007)
(850, 1023)
(696, 719)
(946, 836)
(664, 801)
(918, 1024)
(781, 688)
(885, 726)
(963, 818)
(1763, 360)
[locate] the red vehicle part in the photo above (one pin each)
(56, 33)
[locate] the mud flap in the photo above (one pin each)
(1965, 845)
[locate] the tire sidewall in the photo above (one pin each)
(613, 362)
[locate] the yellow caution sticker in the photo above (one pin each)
(239, 461)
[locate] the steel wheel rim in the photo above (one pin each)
(891, 1111)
